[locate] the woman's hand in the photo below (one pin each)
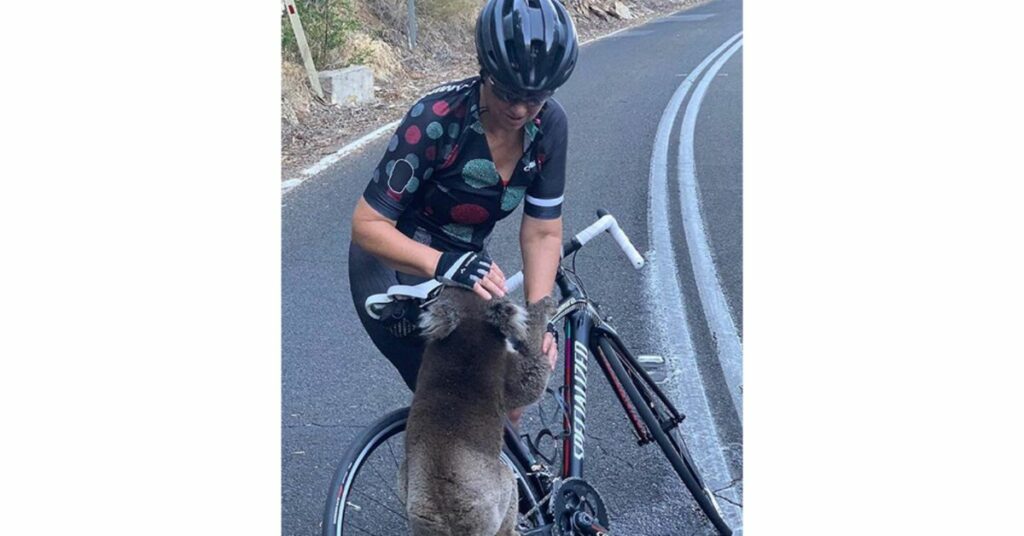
(550, 348)
(492, 284)
(471, 270)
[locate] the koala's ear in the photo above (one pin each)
(509, 318)
(439, 320)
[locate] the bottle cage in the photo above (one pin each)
(425, 293)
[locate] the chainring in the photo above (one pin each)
(575, 495)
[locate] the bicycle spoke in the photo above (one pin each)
(393, 457)
(386, 484)
(361, 529)
(382, 505)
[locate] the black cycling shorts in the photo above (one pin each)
(368, 276)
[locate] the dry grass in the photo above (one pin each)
(361, 48)
(295, 94)
(455, 11)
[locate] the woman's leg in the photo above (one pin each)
(368, 276)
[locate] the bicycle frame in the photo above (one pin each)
(586, 335)
(577, 332)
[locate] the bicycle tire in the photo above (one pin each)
(674, 449)
(363, 447)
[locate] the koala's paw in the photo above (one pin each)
(542, 309)
(509, 318)
(538, 314)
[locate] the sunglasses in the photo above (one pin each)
(511, 97)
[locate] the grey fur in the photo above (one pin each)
(439, 320)
(509, 318)
(452, 480)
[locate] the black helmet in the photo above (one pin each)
(526, 45)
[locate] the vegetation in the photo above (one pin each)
(449, 9)
(327, 24)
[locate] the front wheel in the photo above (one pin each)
(363, 498)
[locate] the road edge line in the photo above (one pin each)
(727, 343)
(331, 159)
(666, 303)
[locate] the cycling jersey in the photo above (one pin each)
(438, 180)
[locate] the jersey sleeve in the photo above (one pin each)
(545, 195)
(407, 163)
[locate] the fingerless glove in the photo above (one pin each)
(462, 268)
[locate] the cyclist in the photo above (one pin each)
(465, 156)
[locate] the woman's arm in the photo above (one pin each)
(379, 236)
(541, 241)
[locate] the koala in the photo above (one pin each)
(482, 359)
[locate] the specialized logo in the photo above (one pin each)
(579, 399)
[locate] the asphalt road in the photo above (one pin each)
(333, 380)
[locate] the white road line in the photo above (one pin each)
(637, 33)
(716, 310)
(330, 159)
(665, 297)
(325, 162)
(691, 18)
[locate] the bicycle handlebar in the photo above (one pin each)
(605, 222)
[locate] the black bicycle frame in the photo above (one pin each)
(588, 336)
(577, 357)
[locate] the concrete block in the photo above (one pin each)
(348, 86)
(622, 11)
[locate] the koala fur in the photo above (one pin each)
(482, 359)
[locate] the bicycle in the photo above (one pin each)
(549, 505)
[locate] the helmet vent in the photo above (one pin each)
(526, 45)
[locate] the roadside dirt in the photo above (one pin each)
(311, 130)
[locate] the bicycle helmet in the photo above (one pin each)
(526, 45)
